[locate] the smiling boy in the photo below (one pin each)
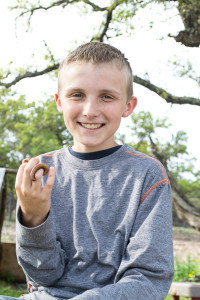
(92, 98)
(100, 226)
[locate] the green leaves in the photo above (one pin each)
(29, 130)
(148, 133)
(144, 123)
(187, 271)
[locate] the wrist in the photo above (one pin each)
(31, 221)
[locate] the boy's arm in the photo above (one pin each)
(38, 252)
(146, 269)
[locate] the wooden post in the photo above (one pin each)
(2, 197)
(3, 172)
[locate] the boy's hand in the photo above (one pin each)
(35, 200)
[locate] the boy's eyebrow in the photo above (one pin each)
(102, 91)
(75, 89)
(106, 91)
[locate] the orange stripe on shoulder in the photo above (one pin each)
(50, 155)
(155, 184)
(148, 157)
(152, 188)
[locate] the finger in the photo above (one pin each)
(38, 175)
(19, 179)
(50, 181)
(26, 160)
(28, 167)
(37, 183)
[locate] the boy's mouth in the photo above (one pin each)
(91, 125)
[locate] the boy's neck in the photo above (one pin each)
(94, 155)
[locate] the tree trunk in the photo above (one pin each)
(184, 208)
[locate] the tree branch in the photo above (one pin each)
(99, 37)
(29, 74)
(164, 94)
(54, 4)
(94, 6)
(159, 91)
(62, 3)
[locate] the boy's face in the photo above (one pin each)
(92, 99)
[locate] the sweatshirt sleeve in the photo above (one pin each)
(146, 269)
(39, 253)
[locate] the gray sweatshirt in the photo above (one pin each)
(108, 235)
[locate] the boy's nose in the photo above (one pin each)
(90, 109)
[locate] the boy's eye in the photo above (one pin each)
(77, 95)
(107, 98)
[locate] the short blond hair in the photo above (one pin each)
(97, 53)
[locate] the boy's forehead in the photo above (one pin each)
(81, 67)
(115, 63)
(81, 74)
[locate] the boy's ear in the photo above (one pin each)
(130, 106)
(58, 103)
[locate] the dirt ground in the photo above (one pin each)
(186, 240)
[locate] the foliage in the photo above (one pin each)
(187, 271)
(44, 131)
(145, 128)
(191, 189)
(7, 289)
(12, 109)
(186, 70)
(29, 130)
(148, 132)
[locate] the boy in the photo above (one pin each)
(100, 226)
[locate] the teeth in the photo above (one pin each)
(91, 126)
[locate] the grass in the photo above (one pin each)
(186, 230)
(189, 270)
(12, 290)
